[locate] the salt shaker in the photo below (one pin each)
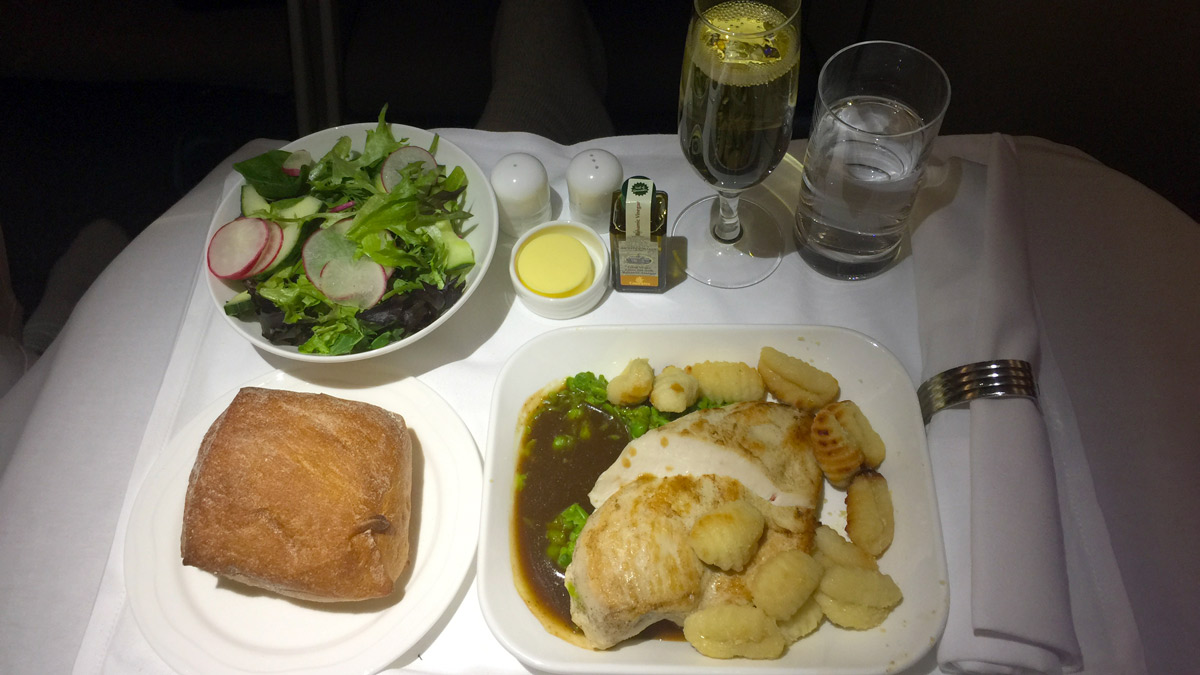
(522, 191)
(592, 177)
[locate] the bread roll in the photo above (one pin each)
(305, 495)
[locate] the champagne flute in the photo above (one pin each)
(737, 95)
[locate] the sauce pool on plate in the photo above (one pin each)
(565, 445)
(549, 480)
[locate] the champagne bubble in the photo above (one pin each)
(744, 44)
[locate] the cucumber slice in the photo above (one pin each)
(239, 304)
(459, 254)
(298, 209)
(253, 204)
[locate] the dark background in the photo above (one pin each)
(113, 108)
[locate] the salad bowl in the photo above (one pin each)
(480, 231)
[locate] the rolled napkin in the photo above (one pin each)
(1010, 611)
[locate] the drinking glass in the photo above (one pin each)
(879, 106)
(737, 96)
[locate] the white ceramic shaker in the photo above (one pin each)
(522, 191)
(592, 177)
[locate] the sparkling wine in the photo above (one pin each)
(738, 93)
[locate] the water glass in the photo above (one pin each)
(879, 106)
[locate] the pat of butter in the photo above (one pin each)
(555, 265)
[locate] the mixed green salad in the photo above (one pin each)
(350, 251)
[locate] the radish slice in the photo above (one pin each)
(270, 252)
(321, 247)
(389, 171)
(236, 247)
(330, 266)
(296, 161)
(291, 237)
(358, 283)
(342, 207)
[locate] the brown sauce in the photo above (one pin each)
(551, 480)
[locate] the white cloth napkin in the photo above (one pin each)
(1010, 610)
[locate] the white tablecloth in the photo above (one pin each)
(1116, 281)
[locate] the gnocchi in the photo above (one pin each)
(843, 441)
(796, 382)
(848, 425)
(633, 385)
(870, 522)
(728, 381)
(857, 598)
(859, 586)
(848, 615)
(806, 620)
(674, 390)
(784, 582)
(727, 631)
(832, 550)
(727, 537)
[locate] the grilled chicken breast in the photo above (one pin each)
(633, 563)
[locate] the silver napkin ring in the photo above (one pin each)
(985, 379)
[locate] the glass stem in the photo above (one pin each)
(728, 228)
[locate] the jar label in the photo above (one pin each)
(639, 200)
(637, 260)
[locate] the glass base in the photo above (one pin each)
(844, 255)
(737, 264)
(845, 270)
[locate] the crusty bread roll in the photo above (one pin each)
(306, 495)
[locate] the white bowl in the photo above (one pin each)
(574, 305)
(869, 375)
(480, 231)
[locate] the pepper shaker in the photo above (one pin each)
(592, 177)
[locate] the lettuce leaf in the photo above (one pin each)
(265, 173)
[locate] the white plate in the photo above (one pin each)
(869, 374)
(199, 625)
(480, 231)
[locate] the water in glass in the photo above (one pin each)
(862, 169)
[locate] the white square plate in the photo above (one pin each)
(869, 375)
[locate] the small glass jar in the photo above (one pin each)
(636, 236)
